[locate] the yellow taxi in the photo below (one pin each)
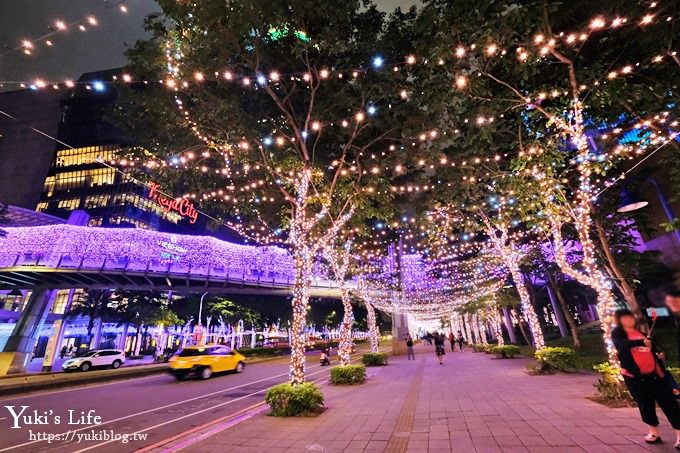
(203, 361)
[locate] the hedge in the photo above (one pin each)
(506, 352)
(286, 400)
(348, 374)
(552, 359)
(374, 359)
(609, 385)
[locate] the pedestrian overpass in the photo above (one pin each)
(63, 256)
(68, 256)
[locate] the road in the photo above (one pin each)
(158, 406)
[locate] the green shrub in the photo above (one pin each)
(348, 374)
(288, 400)
(552, 359)
(675, 372)
(482, 348)
(506, 352)
(610, 385)
(374, 359)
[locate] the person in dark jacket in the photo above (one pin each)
(644, 372)
(439, 339)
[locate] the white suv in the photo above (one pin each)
(95, 358)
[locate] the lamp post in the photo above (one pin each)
(629, 203)
(200, 310)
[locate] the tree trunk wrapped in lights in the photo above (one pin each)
(303, 272)
(495, 319)
(468, 329)
(589, 276)
(512, 255)
(346, 343)
(340, 259)
(481, 330)
(374, 337)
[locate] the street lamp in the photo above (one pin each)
(630, 202)
(200, 310)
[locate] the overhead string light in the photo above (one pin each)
(30, 46)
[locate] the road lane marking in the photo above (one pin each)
(159, 408)
(229, 417)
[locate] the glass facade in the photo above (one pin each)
(78, 179)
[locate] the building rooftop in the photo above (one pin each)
(17, 216)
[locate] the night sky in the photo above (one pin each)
(75, 52)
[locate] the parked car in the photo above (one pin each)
(95, 358)
(203, 361)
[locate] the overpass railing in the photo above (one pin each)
(127, 264)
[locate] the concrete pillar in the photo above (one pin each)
(96, 339)
(78, 218)
(561, 323)
(400, 329)
(19, 347)
(123, 337)
(508, 325)
(52, 351)
(57, 337)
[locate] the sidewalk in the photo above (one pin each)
(471, 403)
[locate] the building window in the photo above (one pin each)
(60, 302)
(85, 156)
(97, 201)
(69, 204)
(95, 221)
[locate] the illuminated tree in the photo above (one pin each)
(512, 255)
(340, 260)
(542, 79)
(270, 116)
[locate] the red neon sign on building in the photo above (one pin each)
(182, 206)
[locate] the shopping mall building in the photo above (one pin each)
(54, 145)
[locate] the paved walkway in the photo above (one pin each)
(472, 403)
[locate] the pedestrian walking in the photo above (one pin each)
(62, 353)
(452, 340)
(460, 340)
(409, 347)
(644, 375)
(439, 347)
